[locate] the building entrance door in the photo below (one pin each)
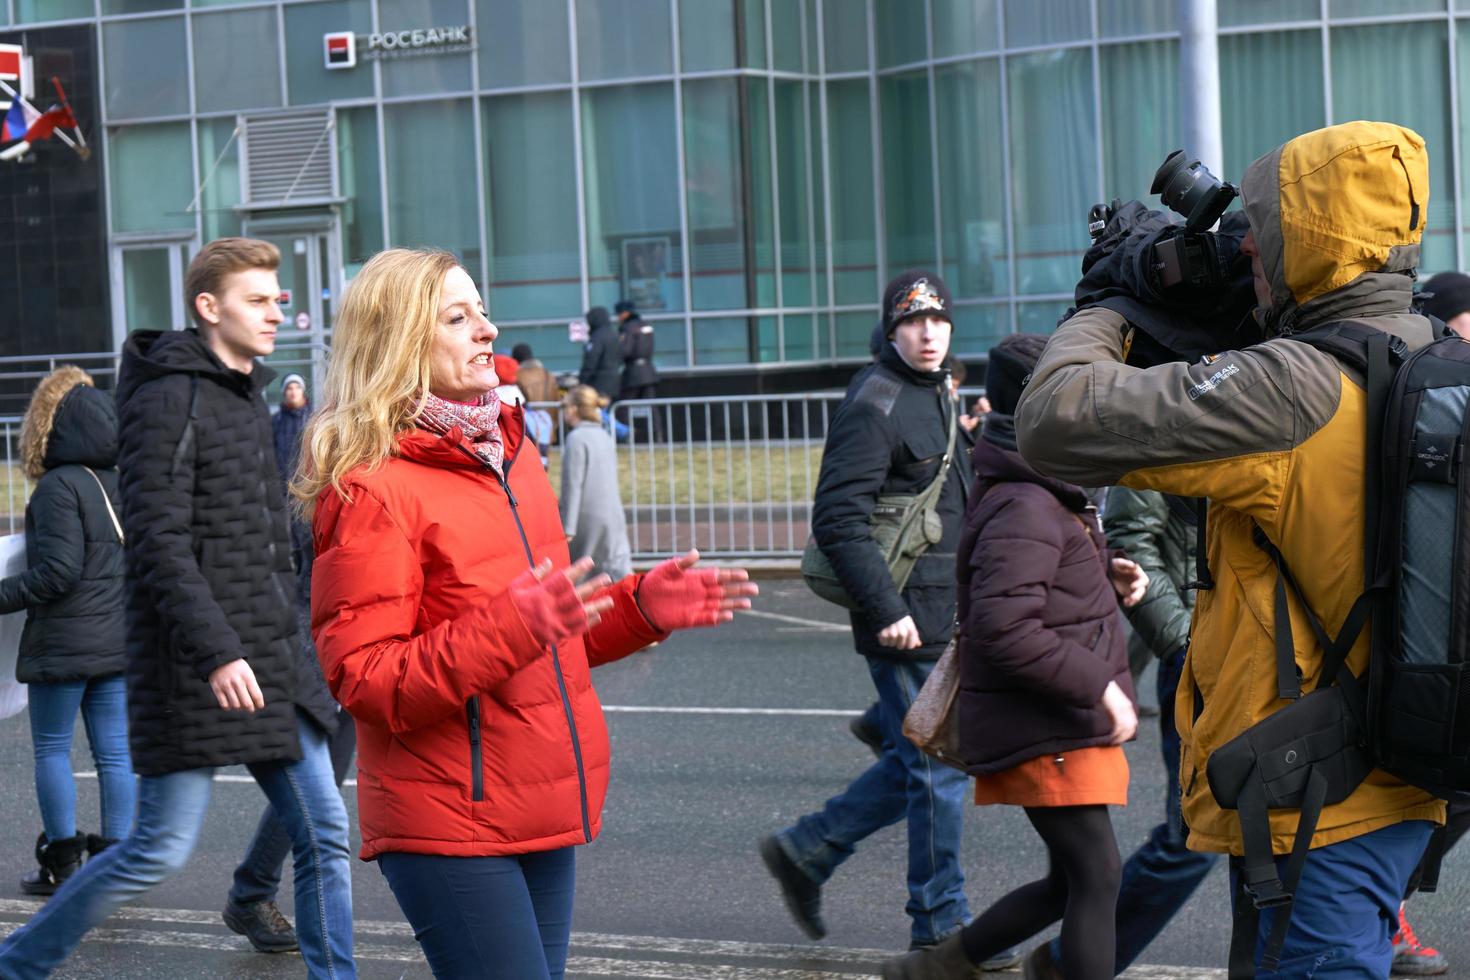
(310, 275)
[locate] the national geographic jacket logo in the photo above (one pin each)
(1213, 381)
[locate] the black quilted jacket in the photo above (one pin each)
(72, 588)
(209, 559)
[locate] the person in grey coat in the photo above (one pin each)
(591, 508)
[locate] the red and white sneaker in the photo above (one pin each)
(1412, 958)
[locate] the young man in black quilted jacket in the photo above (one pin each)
(214, 669)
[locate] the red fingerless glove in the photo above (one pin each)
(672, 598)
(549, 606)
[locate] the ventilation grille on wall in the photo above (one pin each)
(287, 159)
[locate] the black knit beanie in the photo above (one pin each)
(1451, 295)
(915, 293)
(1011, 363)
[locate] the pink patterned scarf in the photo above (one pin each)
(480, 424)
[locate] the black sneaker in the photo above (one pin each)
(803, 896)
(263, 924)
(867, 733)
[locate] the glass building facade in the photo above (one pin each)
(750, 171)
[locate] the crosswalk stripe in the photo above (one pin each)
(820, 962)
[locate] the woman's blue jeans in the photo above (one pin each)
(171, 811)
(103, 702)
(508, 918)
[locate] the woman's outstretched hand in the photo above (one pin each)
(675, 595)
(553, 605)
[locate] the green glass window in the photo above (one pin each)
(1040, 317)
(1053, 167)
(236, 60)
(139, 82)
(1383, 8)
(151, 177)
(624, 39)
(531, 200)
(972, 210)
(707, 34)
(1463, 50)
(908, 171)
(1140, 112)
(219, 150)
(798, 337)
(1419, 55)
(845, 31)
(1124, 18)
(147, 289)
(757, 134)
(752, 42)
(138, 6)
(976, 330)
(431, 178)
(855, 333)
(1238, 13)
(788, 28)
(308, 80)
(1276, 85)
(965, 27)
(724, 340)
(901, 32)
(854, 222)
(794, 193)
(361, 183)
(32, 11)
(1033, 22)
(522, 43)
(713, 162)
(631, 183)
(425, 74)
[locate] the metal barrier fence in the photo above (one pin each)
(733, 477)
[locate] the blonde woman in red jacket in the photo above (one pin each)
(453, 629)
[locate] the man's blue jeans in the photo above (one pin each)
(1347, 905)
(103, 703)
(171, 810)
(1162, 874)
(258, 877)
(904, 782)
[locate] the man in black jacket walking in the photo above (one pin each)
(213, 667)
(890, 436)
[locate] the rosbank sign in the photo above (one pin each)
(340, 48)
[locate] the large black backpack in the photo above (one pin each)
(1409, 713)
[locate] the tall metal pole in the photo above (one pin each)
(1199, 83)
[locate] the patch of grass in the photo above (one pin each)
(695, 473)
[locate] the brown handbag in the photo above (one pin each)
(933, 720)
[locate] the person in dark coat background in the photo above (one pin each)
(213, 663)
(288, 423)
(1045, 699)
(890, 436)
(72, 653)
(635, 339)
(601, 356)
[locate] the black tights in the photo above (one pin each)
(1080, 888)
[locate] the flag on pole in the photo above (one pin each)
(18, 121)
(47, 123)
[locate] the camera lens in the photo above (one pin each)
(1188, 188)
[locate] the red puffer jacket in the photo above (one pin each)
(473, 739)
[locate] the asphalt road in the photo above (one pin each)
(718, 738)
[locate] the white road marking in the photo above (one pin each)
(825, 625)
(816, 959)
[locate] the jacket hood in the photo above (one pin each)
(151, 354)
(597, 318)
(1338, 215)
(84, 430)
(995, 464)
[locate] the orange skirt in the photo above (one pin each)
(1076, 778)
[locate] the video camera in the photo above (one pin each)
(1185, 288)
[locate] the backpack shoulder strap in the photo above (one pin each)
(186, 439)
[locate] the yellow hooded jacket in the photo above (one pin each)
(1273, 435)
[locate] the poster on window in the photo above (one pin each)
(645, 264)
